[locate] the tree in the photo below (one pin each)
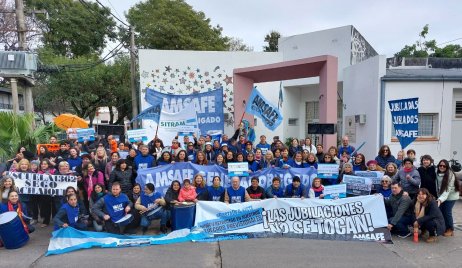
(272, 39)
(74, 28)
(237, 44)
(173, 24)
(423, 48)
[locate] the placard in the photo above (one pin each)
(357, 185)
(238, 169)
(328, 171)
(136, 135)
(335, 191)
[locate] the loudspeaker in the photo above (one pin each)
(321, 128)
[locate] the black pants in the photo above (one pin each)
(431, 227)
(34, 206)
(45, 205)
(115, 228)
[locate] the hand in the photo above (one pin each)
(65, 225)
(408, 177)
(405, 194)
(79, 178)
(390, 226)
(321, 196)
(195, 200)
(127, 209)
(416, 225)
(439, 202)
(106, 217)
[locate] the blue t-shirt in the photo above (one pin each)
(292, 192)
(142, 162)
(264, 147)
(115, 206)
(236, 196)
(149, 201)
(215, 194)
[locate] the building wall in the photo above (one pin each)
(456, 142)
(361, 95)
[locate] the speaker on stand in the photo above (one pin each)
(321, 129)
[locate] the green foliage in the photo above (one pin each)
(17, 131)
(72, 28)
(173, 24)
(423, 48)
(237, 44)
(288, 141)
(272, 40)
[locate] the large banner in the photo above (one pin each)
(208, 105)
(259, 106)
(405, 118)
(357, 218)
(163, 176)
(182, 121)
(42, 184)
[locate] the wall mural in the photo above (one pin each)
(360, 48)
(191, 80)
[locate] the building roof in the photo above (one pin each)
(423, 74)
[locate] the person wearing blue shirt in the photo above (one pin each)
(150, 205)
(248, 149)
(275, 190)
(236, 193)
(345, 147)
(191, 152)
(144, 160)
(296, 189)
(253, 164)
(71, 214)
(263, 145)
(298, 161)
(285, 161)
(216, 192)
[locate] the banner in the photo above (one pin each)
(208, 105)
(163, 176)
(53, 148)
(405, 118)
(85, 134)
(328, 171)
(335, 191)
(357, 218)
(357, 185)
(136, 135)
(42, 184)
(375, 176)
(69, 239)
(182, 121)
(259, 106)
(238, 169)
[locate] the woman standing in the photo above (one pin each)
(427, 174)
(45, 201)
(448, 193)
(384, 156)
(201, 188)
(91, 177)
(124, 175)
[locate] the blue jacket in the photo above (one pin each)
(145, 161)
(291, 192)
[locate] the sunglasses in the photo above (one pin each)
(384, 181)
(442, 166)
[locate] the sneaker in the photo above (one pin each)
(405, 235)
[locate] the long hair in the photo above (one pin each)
(204, 162)
(202, 185)
(382, 151)
(446, 177)
(429, 196)
(2, 184)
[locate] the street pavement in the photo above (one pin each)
(264, 252)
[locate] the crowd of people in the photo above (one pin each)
(416, 194)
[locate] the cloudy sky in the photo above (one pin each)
(387, 25)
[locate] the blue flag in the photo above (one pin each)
(262, 108)
(405, 118)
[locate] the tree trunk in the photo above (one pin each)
(111, 116)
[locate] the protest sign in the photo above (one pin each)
(405, 119)
(136, 135)
(238, 169)
(182, 121)
(328, 171)
(335, 191)
(259, 106)
(360, 218)
(43, 184)
(85, 134)
(375, 176)
(53, 148)
(208, 105)
(357, 185)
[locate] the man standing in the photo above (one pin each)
(345, 147)
(144, 160)
(263, 145)
(236, 193)
(401, 211)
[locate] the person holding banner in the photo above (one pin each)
(216, 192)
(373, 166)
(296, 189)
(256, 192)
(347, 169)
(310, 159)
(187, 192)
(14, 204)
(285, 161)
(253, 165)
(384, 156)
(427, 215)
(44, 201)
(401, 211)
(409, 178)
(201, 188)
(275, 190)
(150, 205)
(236, 193)
(220, 161)
(328, 159)
(114, 208)
(317, 189)
(71, 214)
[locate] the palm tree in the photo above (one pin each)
(18, 130)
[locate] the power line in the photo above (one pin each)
(123, 23)
(449, 41)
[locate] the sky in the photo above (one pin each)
(387, 25)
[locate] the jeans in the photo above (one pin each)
(98, 227)
(446, 210)
(159, 214)
(401, 228)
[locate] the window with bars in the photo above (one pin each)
(428, 126)
(458, 109)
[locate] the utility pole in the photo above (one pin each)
(133, 76)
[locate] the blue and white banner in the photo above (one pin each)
(328, 171)
(150, 113)
(357, 218)
(238, 169)
(335, 191)
(405, 118)
(375, 176)
(85, 134)
(136, 135)
(182, 121)
(357, 185)
(262, 108)
(163, 176)
(208, 105)
(69, 239)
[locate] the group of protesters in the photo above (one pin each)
(417, 195)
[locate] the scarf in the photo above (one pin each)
(407, 170)
(90, 184)
(419, 210)
(20, 214)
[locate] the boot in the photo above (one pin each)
(431, 239)
(163, 229)
(449, 232)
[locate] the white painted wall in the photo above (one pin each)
(456, 142)
(434, 97)
(361, 95)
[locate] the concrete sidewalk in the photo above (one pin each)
(270, 252)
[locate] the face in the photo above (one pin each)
(91, 168)
(166, 156)
(115, 190)
(386, 151)
(285, 153)
(123, 166)
(277, 153)
(385, 184)
(72, 201)
(347, 169)
(44, 165)
(176, 186)
(157, 143)
(311, 158)
(144, 150)
(146, 190)
(262, 139)
(421, 197)
(114, 158)
(63, 147)
(224, 137)
(70, 191)
(254, 183)
(219, 158)
(186, 185)
(442, 167)
(327, 158)
(390, 169)
(317, 183)
(216, 181)
(53, 140)
(426, 162)
(298, 157)
(411, 155)
(198, 180)
(307, 142)
(241, 139)
(63, 169)
(395, 189)
(276, 184)
(372, 166)
(13, 197)
(258, 153)
(250, 157)
(294, 142)
(136, 189)
(23, 166)
(73, 152)
(100, 152)
(85, 160)
(332, 151)
(132, 153)
(201, 141)
(296, 183)
(240, 158)
(345, 141)
(182, 155)
(235, 182)
(408, 164)
(200, 156)
(121, 146)
(229, 155)
(42, 150)
(358, 159)
(98, 189)
(400, 155)
(8, 183)
(319, 148)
